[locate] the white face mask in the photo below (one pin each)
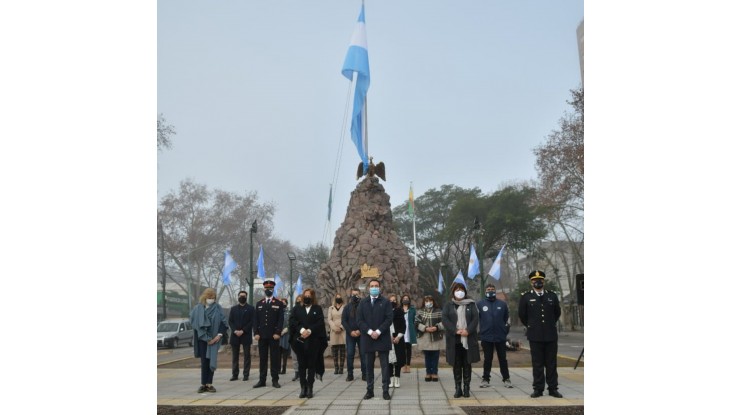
(428, 305)
(459, 295)
(210, 301)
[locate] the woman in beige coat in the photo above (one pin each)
(430, 336)
(336, 337)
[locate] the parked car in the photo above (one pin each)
(170, 333)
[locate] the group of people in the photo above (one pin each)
(379, 327)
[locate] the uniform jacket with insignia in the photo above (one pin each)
(269, 319)
(540, 315)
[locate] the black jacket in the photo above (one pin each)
(349, 317)
(269, 320)
(375, 317)
(540, 315)
(241, 318)
(399, 321)
(314, 321)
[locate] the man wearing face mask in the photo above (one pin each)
(539, 311)
(494, 327)
(268, 323)
(352, 335)
(375, 316)
(240, 322)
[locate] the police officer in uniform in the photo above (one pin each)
(539, 311)
(268, 325)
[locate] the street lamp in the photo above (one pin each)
(291, 257)
(250, 279)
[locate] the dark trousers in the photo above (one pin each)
(488, 348)
(385, 373)
(431, 361)
(462, 370)
(308, 357)
(544, 365)
(351, 343)
(272, 347)
(206, 374)
(235, 359)
(395, 368)
(408, 354)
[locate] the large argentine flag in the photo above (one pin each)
(357, 61)
(495, 271)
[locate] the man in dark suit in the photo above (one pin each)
(240, 322)
(375, 316)
(539, 311)
(268, 323)
(307, 334)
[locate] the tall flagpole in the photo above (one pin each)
(413, 219)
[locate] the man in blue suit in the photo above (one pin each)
(375, 316)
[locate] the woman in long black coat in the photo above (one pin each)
(307, 335)
(460, 319)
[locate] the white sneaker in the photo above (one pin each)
(398, 382)
(485, 384)
(507, 383)
(393, 382)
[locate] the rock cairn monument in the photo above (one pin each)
(366, 244)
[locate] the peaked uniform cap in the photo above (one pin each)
(536, 274)
(268, 283)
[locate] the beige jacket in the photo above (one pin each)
(335, 323)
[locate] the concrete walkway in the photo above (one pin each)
(335, 396)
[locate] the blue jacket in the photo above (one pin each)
(493, 317)
(375, 317)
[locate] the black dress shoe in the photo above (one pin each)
(234, 378)
(364, 377)
(303, 392)
(555, 393)
(275, 384)
(350, 377)
(295, 378)
(260, 384)
(246, 378)
(536, 394)
(369, 395)
(386, 396)
(309, 393)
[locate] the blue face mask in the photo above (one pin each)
(374, 291)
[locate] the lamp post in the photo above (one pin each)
(291, 257)
(443, 269)
(250, 279)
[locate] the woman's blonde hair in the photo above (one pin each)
(208, 292)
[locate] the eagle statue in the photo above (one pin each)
(372, 170)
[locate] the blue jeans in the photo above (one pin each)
(431, 361)
(206, 374)
(351, 342)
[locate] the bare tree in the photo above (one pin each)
(164, 133)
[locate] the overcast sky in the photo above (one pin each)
(460, 93)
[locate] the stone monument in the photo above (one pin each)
(366, 245)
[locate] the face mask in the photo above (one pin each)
(394, 304)
(374, 291)
(210, 301)
(268, 293)
(428, 305)
(405, 302)
(491, 295)
(355, 298)
(307, 300)
(459, 295)
(242, 300)
(538, 284)
(338, 300)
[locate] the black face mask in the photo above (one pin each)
(491, 295)
(538, 284)
(307, 300)
(355, 299)
(339, 301)
(242, 300)
(405, 302)
(268, 293)
(394, 304)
